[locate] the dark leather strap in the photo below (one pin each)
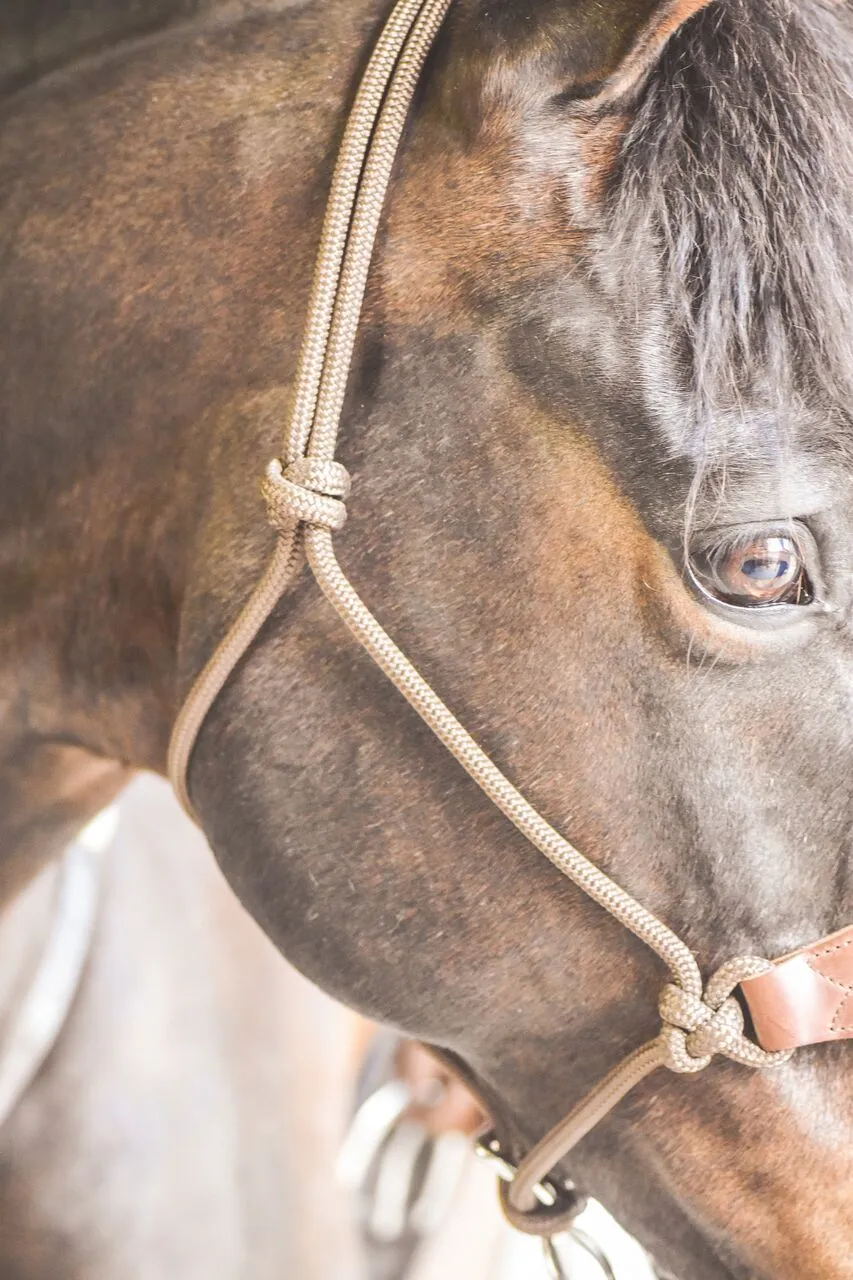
(805, 997)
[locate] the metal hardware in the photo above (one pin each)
(405, 1177)
(554, 1263)
(369, 1129)
(46, 1005)
(488, 1148)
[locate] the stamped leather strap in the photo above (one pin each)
(805, 997)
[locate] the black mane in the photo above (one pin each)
(736, 178)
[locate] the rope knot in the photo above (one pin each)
(696, 1028)
(694, 1031)
(308, 490)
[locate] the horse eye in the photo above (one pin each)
(759, 569)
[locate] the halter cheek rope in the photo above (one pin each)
(305, 494)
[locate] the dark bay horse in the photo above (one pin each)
(599, 428)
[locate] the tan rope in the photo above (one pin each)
(277, 577)
(287, 557)
(308, 492)
(356, 141)
(693, 1031)
(517, 1198)
(585, 874)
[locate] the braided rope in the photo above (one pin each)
(307, 494)
(287, 556)
(307, 490)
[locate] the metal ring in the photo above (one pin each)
(554, 1262)
(488, 1148)
(558, 1205)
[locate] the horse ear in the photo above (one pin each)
(593, 48)
(625, 38)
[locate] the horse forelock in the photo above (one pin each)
(728, 229)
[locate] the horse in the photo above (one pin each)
(598, 428)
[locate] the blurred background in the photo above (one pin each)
(187, 1121)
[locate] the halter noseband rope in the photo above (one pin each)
(305, 494)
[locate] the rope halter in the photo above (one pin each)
(305, 506)
(695, 1030)
(309, 491)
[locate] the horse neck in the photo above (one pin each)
(138, 309)
(38, 38)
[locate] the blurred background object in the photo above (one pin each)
(187, 1122)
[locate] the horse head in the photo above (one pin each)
(598, 429)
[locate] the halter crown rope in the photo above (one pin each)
(305, 505)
